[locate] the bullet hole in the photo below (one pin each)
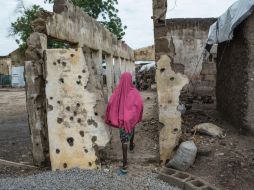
(51, 98)
(57, 151)
(148, 98)
(78, 104)
(92, 122)
(162, 70)
(80, 77)
(54, 63)
(37, 144)
(59, 102)
(170, 101)
(97, 162)
(95, 113)
(172, 78)
(90, 164)
(94, 139)
(86, 151)
(82, 134)
(68, 108)
(175, 129)
(79, 120)
(72, 55)
(38, 108)
(65, 165)
(71, 118)
(70, 141)
(61, 80)
(93, 67)
(50, 107)
(59, 120)
(58, 61)
(83, 71)
(64, 63)
(75, 113)
(78, 82)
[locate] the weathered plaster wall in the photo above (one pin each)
(74, 124)
(5, 65)
(169, 86)
(145, 54)
(235, 77)
(184, 41)
(69, 23)
(35, 97)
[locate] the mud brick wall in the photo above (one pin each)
(235, 77)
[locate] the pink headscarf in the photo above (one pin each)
(125, 107)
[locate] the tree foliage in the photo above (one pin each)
(103, 10)
(21, 27)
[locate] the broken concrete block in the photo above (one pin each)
(169, 86)
(209, 129)
(75, 125)
(185, 156)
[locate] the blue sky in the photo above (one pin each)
(136, 14)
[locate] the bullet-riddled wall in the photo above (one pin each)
(65, 96)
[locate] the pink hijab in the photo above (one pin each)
(125, 107)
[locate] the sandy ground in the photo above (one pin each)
(230, 165)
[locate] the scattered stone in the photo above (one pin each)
(85, 179)
(204, 151)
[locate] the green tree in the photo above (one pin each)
(102, 10)
(21, 27)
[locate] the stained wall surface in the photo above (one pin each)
(235, 77)
(75, 128)
(71, 25)
(184, 40)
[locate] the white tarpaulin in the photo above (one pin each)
(223, 29)
(147, 67)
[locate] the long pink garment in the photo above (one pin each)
(125, 107)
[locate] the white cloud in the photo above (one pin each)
(136, 14)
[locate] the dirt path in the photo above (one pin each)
(146, 135)
(230, 164)
(15, 139)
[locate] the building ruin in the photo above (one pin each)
(65, 95)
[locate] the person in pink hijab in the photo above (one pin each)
(124, 111)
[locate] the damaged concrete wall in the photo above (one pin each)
(75, 126)
(5, 65)
(235, 77)
(35, 97)
(145, 54)
(75, 96)
(169, 86)
(188, 38)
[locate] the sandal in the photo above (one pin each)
(123, 170)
